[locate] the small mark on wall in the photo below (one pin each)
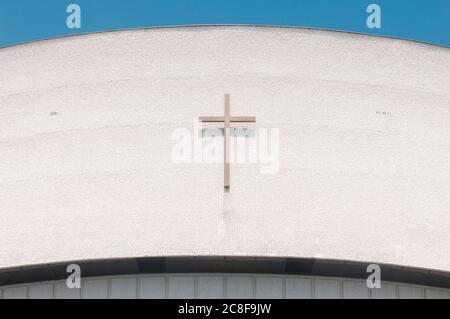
(53, 113)
(385, 113)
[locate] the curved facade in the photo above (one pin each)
(362, 158)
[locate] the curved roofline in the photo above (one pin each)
(225, 25)
(224, 264)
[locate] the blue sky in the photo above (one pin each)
(420, 20)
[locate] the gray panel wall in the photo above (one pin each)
(189, 286)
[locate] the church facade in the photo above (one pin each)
(224, 162)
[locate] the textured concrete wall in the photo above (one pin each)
(245, 286)
(364, 147)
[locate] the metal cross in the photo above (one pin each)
(227, 120)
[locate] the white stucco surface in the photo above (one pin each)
(97, 180)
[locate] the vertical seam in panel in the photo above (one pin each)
(254, 286)
(78, 289)
(225, 286)
(313, 288)
(108, 295)
(53, 290)
(28, 293)
(138, 287)
(283, 287)
(195, 287)
(81, 288)
(166, 283)
(397, 291)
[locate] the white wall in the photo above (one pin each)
(219, 286)
(97, 180)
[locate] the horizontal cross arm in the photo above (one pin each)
(235, 119)
(212, 119)
(246, 119)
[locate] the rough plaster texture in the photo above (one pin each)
(97, 181)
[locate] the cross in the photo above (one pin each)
(227, 120)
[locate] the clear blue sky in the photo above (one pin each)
(421, 20)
